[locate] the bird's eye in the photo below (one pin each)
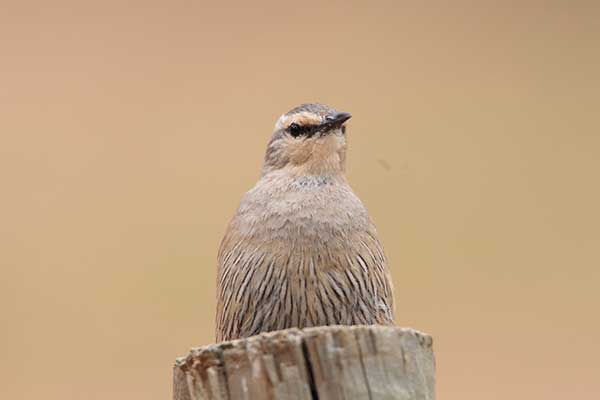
(295, 129)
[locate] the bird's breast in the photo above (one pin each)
(301, 211)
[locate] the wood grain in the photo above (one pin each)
(325, 363)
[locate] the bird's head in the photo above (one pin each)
(308, 140)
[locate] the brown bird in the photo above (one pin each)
(301, 250)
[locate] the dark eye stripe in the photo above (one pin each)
(297, 130)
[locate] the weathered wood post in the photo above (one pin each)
(325, 363)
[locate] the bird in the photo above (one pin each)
(301, 249)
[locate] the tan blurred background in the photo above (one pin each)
(129, 132)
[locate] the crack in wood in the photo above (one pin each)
(322, 363)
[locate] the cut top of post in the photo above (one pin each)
(329, 362)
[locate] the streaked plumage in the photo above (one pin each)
(301, 250)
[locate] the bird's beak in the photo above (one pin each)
(336, 120)
(340, 117)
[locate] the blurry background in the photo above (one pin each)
(130, 130)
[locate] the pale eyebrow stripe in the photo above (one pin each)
(304, 118)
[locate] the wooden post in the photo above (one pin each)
(325, 363)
